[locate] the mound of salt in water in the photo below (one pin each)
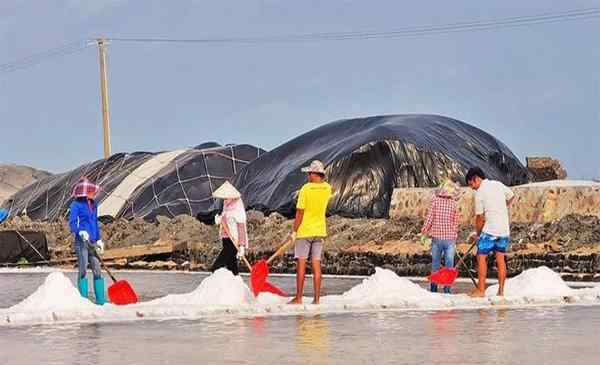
(56, 293)
(222, 288)
(266, 298)
(538, 282)
(385, 287)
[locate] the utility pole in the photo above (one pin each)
(102, 42)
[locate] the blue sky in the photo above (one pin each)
(536, 88)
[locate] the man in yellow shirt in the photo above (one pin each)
(310, 228)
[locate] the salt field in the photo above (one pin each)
(380, 319)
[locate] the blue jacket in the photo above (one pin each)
(82, 218)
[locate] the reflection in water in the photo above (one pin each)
(443, 327)
(258, 326)
(444, 322)
(313, 339)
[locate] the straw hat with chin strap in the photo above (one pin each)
(226, 191)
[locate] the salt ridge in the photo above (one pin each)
(222, 293)
(561, 183)
(538, 282)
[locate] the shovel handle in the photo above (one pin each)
(93, 249)
(281, 249)
(462, 261)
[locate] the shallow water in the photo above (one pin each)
(546, 335)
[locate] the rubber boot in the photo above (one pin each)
(99, 291)
(83, 287)
(433, 287)
(447, 290)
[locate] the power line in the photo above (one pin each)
(498, 23)
(414, 31)
(36, 58)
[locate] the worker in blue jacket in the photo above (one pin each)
(83, 221)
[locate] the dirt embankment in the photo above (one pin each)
(355, 246)
(14, 177)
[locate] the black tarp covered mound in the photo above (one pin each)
(367, 158)
(186, 184)
(18, 245)
(140, 184)
(49, 199)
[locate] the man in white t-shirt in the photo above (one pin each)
(492, 200)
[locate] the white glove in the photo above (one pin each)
(100, 246)
(473, 237)
(84, 235)
(241, 252)
(218, 219)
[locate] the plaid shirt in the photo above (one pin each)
(442, 219)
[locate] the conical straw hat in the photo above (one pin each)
(227, 191)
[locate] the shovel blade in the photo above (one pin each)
(270, 288)
(444, 276)
(121, 293)
(258, 276)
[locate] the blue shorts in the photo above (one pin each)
(488, 244)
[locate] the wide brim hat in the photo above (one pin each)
(226, 191)
(316, 167)
(450, 189)
(84, 188)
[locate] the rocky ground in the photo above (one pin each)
(355, 246)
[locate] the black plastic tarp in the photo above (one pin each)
(17, 245)
(367, 158)
(49, 199)
(186, 184)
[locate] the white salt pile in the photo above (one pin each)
(385, 288)
(561, 183)
(222, 288)
(57, 300)
(29, 270)
(538, 282)
(56, 293)
(266, 298)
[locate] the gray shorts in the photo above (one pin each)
(310, 247)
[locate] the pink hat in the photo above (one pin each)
(84, 188)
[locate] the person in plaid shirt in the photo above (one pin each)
(441, 225)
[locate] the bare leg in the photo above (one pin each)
(316, 269)
(300, 271)
(482, 271)
(501, 264)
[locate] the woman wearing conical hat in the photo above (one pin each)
(232, 231)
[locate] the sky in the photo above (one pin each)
(536, 88)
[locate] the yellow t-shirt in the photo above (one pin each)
(313, 199)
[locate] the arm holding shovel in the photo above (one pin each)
(242, 244)
(233, 228)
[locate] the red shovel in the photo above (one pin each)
(120, 292)
(447, 275)
(260, 272)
